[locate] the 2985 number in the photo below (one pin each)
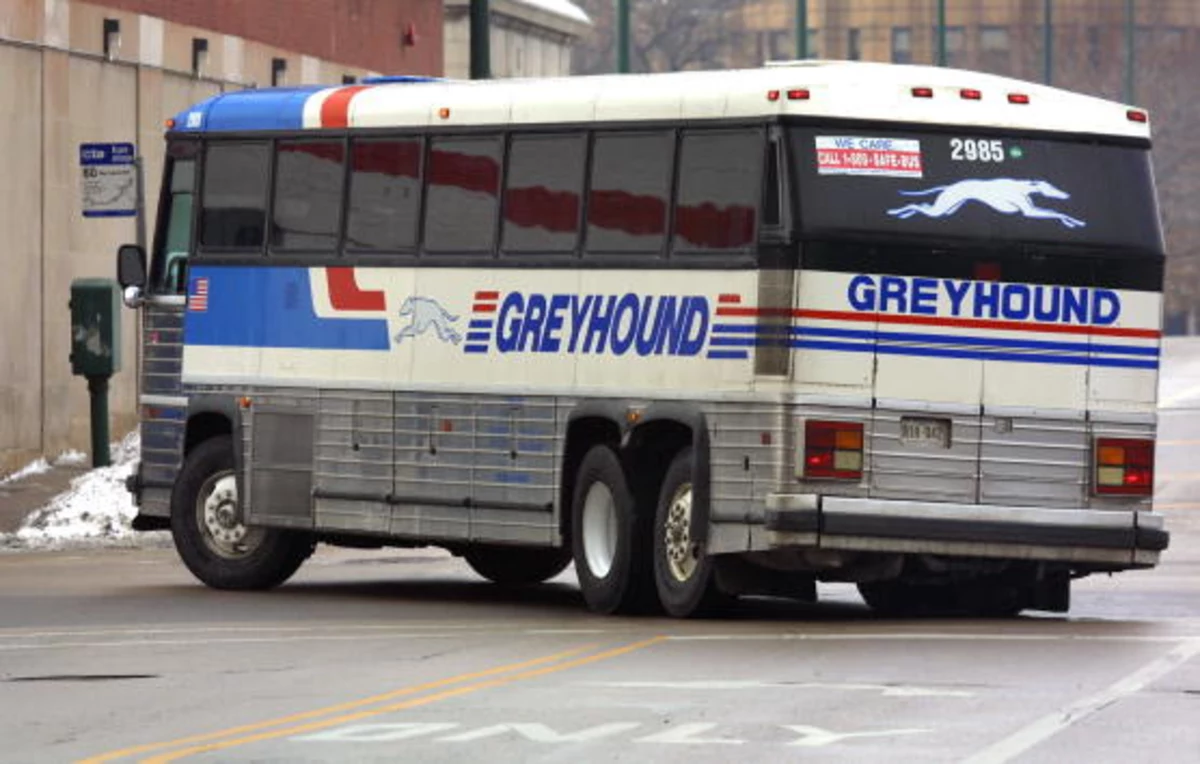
(976, 150)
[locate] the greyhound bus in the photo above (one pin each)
(701, 334)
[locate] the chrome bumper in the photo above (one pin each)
(1123, 538)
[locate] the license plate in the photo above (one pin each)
(925, 433)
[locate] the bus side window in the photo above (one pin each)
(233, 202)
(463, 197)
(543, 194)
(630, 192)
(718, 194)
(169, 268)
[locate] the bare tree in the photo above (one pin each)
(666, 35)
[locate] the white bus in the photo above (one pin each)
(702, 334)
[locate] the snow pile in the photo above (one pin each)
(29, 470)
(95, 508)
(563, 8)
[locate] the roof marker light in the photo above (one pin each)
(798, 94)
(970, 94)
(772, 95)
(1137, 115)
(922, 92)
(1018, 98)
(170, 124)
(444, 113)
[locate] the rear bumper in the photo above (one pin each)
(1117, 538)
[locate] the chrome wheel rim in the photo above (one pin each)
(682, 555)
(599, 529)
(219, 518)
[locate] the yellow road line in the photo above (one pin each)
(134, 750)
(415, 702)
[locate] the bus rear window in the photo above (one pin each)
(972, 185)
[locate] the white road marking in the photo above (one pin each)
(230, 641)
(541, 733)
(687, 734)
(1051, 724)
(931, 637)
(816, 737)
(887, 690)
(377, 733)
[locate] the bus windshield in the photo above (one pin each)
(974, 185)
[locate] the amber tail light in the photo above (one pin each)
(1124, 466)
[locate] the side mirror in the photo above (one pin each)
(131, 266)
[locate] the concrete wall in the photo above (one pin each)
(526, 40)
(57, 91)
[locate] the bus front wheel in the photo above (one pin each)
(206, 525)
(609, 537)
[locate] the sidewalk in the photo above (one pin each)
(19, 498)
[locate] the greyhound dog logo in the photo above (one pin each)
(1007, 196)
(424, 314)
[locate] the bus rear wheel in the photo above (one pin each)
(516, 566)
(206, 525)
(683, 573)
(609, 538)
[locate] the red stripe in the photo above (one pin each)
(335, 111)
(344, 293)
(963, 323)
(483, 307)
(729, 298)
(487, 295)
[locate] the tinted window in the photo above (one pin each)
(308, 195)
(975, 186)
(630, 192)
(464, 189)
(385, 194)
(719, 179)
(171, 261)
(234, 200)
(543, 193)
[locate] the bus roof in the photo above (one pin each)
(822, 89)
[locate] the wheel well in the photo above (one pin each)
(582, 434)
(204, 426)
(651, 449)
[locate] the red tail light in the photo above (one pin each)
(833, 450)
(1124, 466)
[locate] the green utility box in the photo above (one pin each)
(95, 327)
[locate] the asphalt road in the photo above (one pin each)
(386, 656)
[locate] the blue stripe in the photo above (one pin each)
(753, 329)
(734, 342)
(854, 347)
(272, 307)
(955, 339)
(480, 324)
(478, 337)
(475, 348)
(726, 355)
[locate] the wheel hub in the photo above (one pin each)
(220, 523)
(599, 530)
(682, 554)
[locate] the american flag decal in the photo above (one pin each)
(198, 300)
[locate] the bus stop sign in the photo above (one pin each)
(109, 179)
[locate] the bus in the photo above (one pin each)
(701, 334)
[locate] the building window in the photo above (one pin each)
(385, 194)
(306, 213)
(233, 202)
(956, 45)
(543, 193)
(994, 48)
(464, 194)
(902, 45)
(854, 45)
(630, 192)
(719, 182)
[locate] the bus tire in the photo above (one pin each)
(683, 573)
(609, 540)
(515, 565)
(212, 542)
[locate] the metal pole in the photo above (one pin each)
(623, 36)
(941, 33)
(1048, 41)
(1130, 58)
(98, 395)
(481, 48)
(801, 29)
